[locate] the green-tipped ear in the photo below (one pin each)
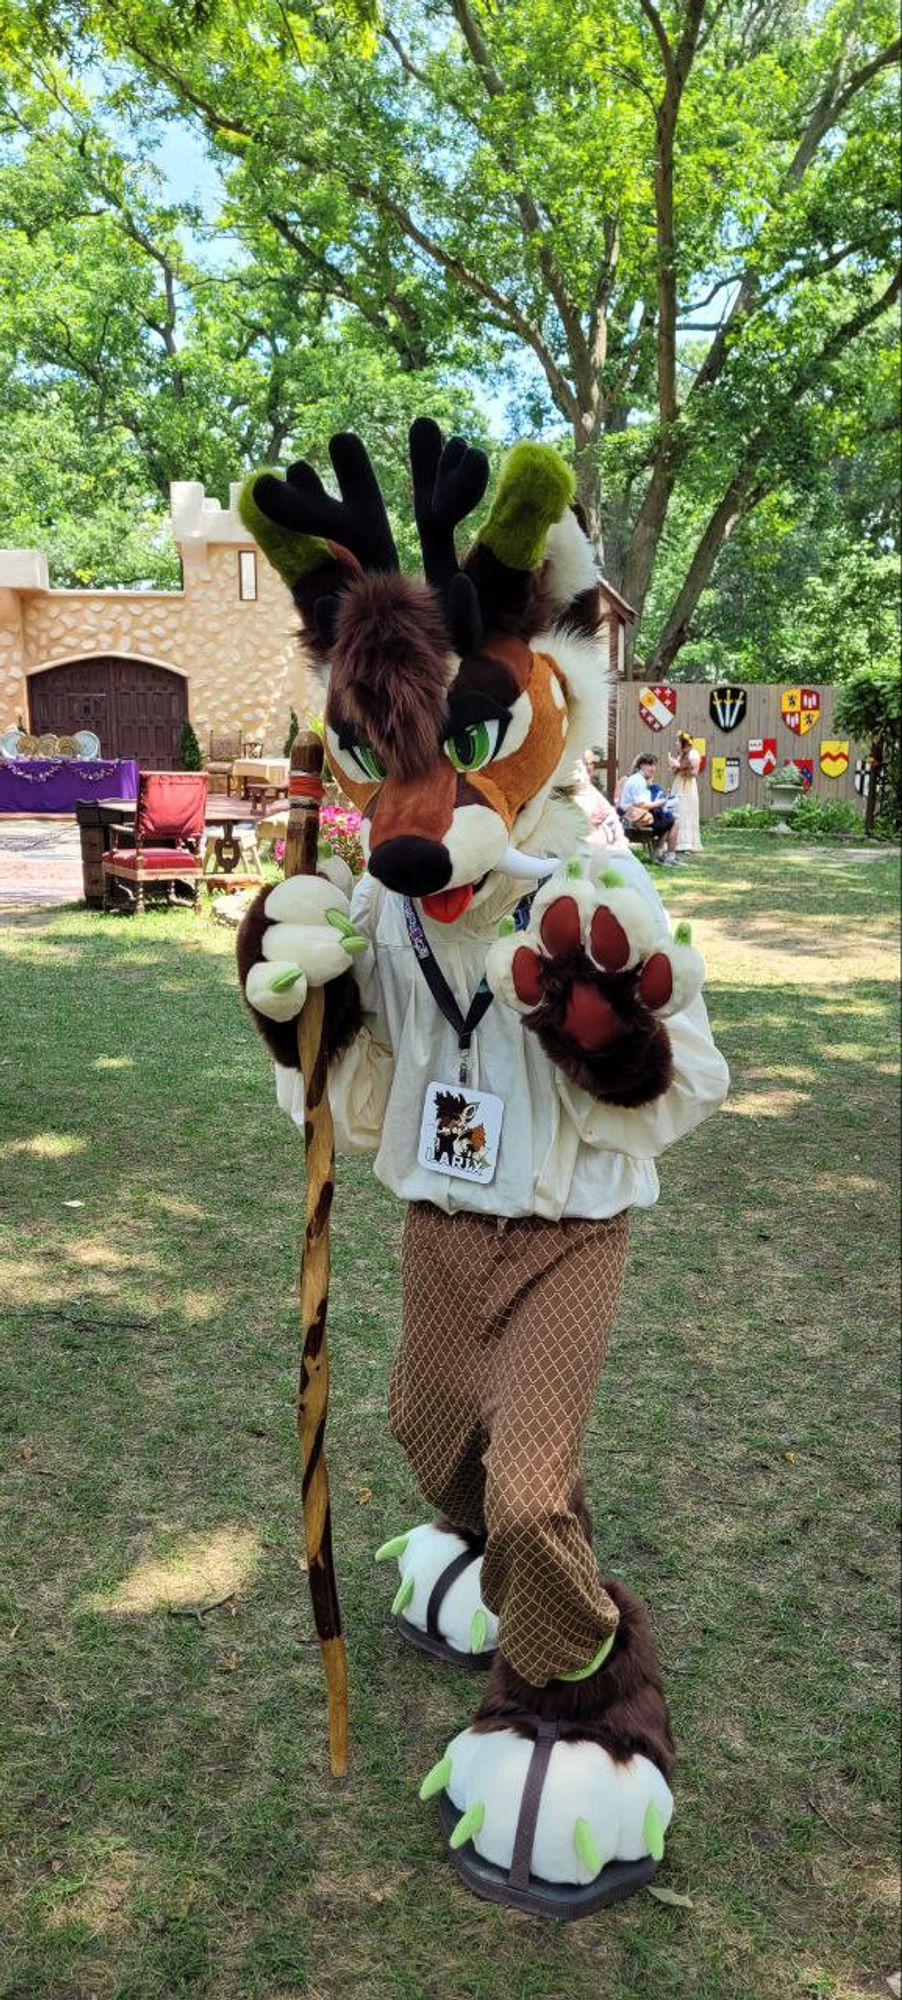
(293, 555)
(534, 491)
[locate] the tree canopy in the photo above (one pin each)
(664, 234)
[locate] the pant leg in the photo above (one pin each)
(440, 1375)
(539, 1573)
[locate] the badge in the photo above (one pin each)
(460, 1132)
(725, 774)
(657, 706)
(727, 706)
(834, 758)
(762, 755)
(800, 709)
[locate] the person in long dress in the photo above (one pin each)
(685, 767)
(603, 819)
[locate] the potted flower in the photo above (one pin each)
(784, 788)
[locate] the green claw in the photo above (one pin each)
(324, 850)
(340, 922)
(467, 1826)
(683, 934)
(574, 869)
(612, 879)
(354, 944)
(653, 1830)
(586, 1850)
(479, 1626)
(284, 981)
(395, 1547)
(436, 1779)
(507, 927)
(404, 1595)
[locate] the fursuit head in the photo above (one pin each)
(458, 702)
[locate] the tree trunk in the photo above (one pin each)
(737, 500)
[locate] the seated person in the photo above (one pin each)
(640, 809)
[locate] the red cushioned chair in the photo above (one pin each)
(164, 844)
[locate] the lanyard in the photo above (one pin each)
(463, 1024)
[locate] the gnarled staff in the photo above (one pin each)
(305, 792)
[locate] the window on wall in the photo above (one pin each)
(247, 575)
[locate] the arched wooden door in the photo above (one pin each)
(137, 709)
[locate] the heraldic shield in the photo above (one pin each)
(762, 755)
(727, 706)
(725, 774)
(657, 706)
(800, 709)
(834, 758)
(805, 768)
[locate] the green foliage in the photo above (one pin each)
(815, 818)
(786, 776)
(869, 705)
(744, 819)
(190, 758)
(293, 727)
(415, 203)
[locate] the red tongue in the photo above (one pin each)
(448, 904)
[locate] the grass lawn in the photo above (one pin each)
(167, 1822)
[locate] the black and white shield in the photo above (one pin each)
(727, 706)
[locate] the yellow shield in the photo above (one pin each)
(725, 774)
(834, 758)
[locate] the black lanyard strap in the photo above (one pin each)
(463, 1024)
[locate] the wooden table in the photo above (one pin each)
(260, 777)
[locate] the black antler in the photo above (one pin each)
(449, 480)
(358, 521)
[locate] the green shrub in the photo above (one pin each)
(815, 818)
(293, 727)
(190, 758)
(749, 819)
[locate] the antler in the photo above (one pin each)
(357, 522)
(449, 480)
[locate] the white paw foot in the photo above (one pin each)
(592, 1810)
(422, 1554)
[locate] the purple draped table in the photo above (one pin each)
(57, 784)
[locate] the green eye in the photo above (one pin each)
(368, 761)
(472, 747)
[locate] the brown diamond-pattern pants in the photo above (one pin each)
(506, 1329)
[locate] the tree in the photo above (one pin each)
(190, 758)
(869, 706)
(664, 231)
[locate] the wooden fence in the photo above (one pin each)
(692, 705)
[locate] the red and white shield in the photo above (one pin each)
(657, 706)
(762, 755)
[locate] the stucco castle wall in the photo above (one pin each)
(242, 661)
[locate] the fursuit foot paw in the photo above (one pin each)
(595, 979)
(556, 1799)
(438, 1607)
(554, 1827)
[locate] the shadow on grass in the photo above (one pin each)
(173, 1827)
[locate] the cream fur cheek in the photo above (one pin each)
(475, 840)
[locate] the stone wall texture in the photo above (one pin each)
(242, 660)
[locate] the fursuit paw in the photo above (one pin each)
(464, 1630)
(593, 977)
(306, 939)
(592, 1811)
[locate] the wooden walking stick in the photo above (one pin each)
(305, 792)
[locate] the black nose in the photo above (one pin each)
(410, 866)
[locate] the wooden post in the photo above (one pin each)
(305, 789)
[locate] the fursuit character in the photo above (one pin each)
(507, 968)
